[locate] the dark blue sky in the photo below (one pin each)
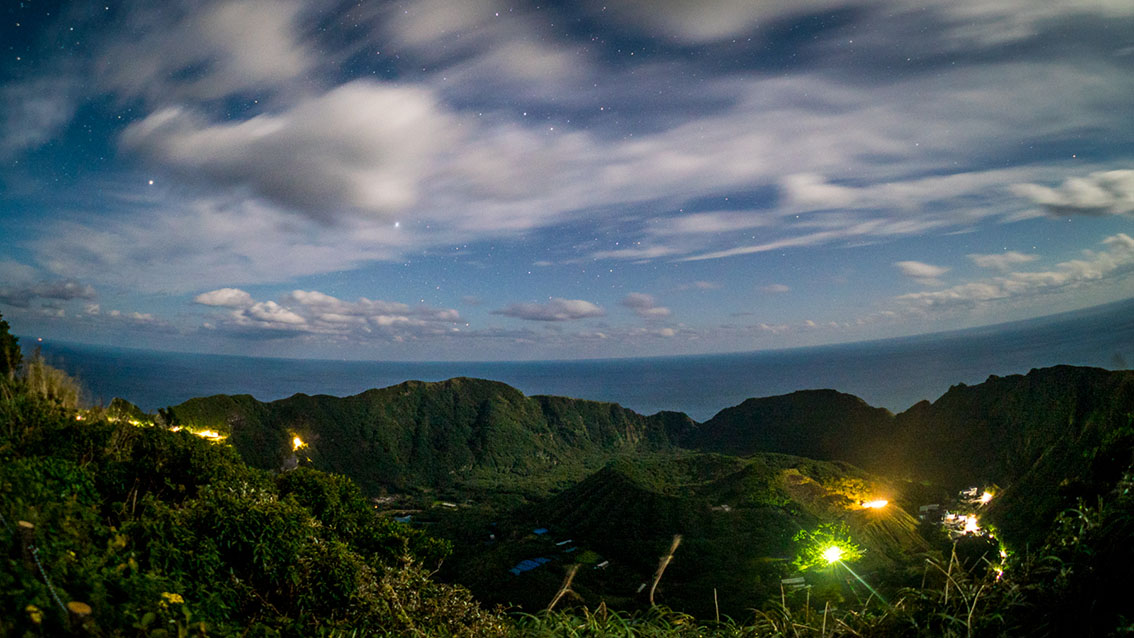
(487, 180)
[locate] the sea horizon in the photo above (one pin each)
(892, 373)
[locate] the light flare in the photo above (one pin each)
(833, 554)
(875, 504)
(297, 443)
(971, 525)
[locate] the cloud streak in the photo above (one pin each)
(1117, 260)
(556, 309)
(645, 306)
(1100, 193)
(310, 313)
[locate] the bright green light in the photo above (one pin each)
(832, 554)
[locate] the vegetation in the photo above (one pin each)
(163, 533)
(459, 435)
(10, 355)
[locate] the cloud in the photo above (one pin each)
(776, 289)
(1095, 267)
(34, 112)
(225, 297)
(709, 222)
(645, 306)
(133, 317)
(362, 147)
(21, 296)
(920, 270)
(315, 314)
(556, 309)
(1002, 261)
(1100, 193)
(178, 51)
(166, 245)
(962, 22)
(700, 285)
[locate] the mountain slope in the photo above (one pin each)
(737, 518)
(818, 424)
(1049, 437)
(416, 434)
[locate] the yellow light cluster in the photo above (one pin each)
(875, 504)
(297, 443)
(985, 497)
(211, 435)
(971, 525)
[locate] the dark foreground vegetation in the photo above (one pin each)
(164, 533)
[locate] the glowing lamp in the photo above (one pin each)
(985, 497)
(297, 443)
(832, 554)
(875, 504)
(971, 526)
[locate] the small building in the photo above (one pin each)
(529, 564)
(929, 512)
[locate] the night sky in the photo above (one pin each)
(448, 180)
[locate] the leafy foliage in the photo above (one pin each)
(163, 533)
(453, 435)
(826, 544)
(10, 355)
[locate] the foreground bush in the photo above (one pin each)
(165, 534)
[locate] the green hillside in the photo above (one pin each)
(737, 518)
(818, 424)
(162, 533)
(471, 433)
(1049, 438)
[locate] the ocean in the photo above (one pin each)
(893, 373)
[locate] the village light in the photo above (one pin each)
(876, 504)
(833, 554)
(985, 498)
(297, 443)
(971, 525)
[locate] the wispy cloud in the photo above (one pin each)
(1100, 193)
(22, 296)
(1117, 260)
(1002, 261)
(556, 309)
(921, 271)
(225, 297)
(700, 285)
(645, 306)
(313, 313)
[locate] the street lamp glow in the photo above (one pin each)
(297, 443)
(876, 504)
(985, 498)
(972, 526)
(832, 554)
